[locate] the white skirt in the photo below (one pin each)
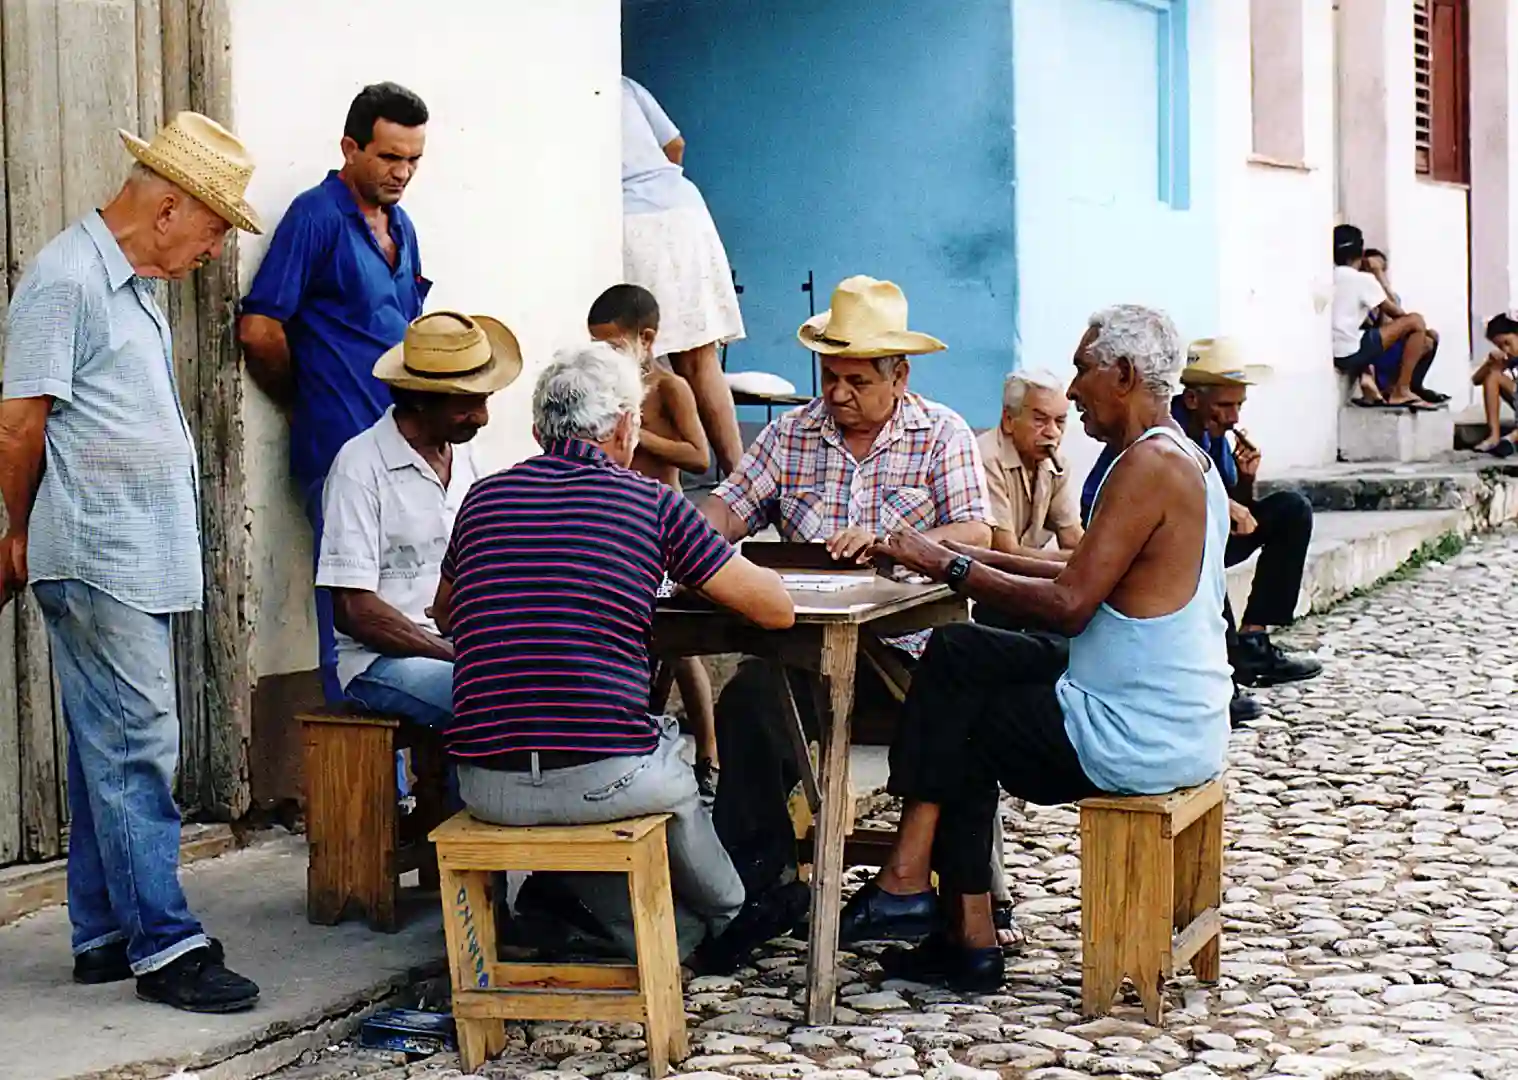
(678, 256)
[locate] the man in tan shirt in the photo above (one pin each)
(1032, 500)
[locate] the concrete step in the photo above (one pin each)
(1470, 425)
(1394, 434)
(1485, 489)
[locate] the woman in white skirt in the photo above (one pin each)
(670, 247)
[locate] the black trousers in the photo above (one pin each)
(981, 712)
(1284, 529)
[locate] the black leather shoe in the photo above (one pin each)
(199, 981)
(1243, 708)
(937, 960)
(1258, 661)
(876, 915)
(762, 918)
(106, 964)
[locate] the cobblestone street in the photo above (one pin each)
(1371, 898)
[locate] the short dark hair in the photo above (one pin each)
(1349, 245)
(1375, 253)
(382, 101)
(627, 307)
(1500, 324)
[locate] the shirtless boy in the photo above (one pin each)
(671, 440)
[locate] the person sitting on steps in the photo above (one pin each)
(1495, 377)
(1357, 349)
(1377, 265)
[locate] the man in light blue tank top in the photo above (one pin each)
(1140, 706)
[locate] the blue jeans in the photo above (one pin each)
(417, 687)
(326, 639)
(115, 668)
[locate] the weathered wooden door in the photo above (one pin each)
(76, 71)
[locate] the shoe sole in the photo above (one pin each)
(213, 1010)
(102, 979)
(913, 936)
(1265, 681)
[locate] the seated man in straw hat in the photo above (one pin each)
(1214, 385)
(99, 476)
(389, 504)
(867, 457)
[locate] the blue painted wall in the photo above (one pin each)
(851, 138)
(1113, 205)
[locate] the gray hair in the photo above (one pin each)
(1145, 337)
(584, 392)
(1016, 388)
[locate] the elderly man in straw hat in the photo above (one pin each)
(100, 482)
(866, 458)
(389, 504)
(1214, 386)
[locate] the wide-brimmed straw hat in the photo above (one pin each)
(1220, 362)
(868, 320)
(206, 160)
(445, 352)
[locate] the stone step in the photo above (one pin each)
(1394, 434)
(1483, 487)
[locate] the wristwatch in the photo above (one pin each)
(958, 570)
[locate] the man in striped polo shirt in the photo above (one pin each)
(548, 589)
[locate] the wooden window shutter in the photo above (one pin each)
(1441, 89)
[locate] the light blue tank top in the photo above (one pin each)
(1146, 700)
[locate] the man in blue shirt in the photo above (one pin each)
(341, 281)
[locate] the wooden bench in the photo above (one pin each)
(487, 991)
(1150, 865)
(360, 843)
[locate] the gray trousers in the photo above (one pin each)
(708, 891)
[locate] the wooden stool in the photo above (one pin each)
(360, 843)
(487, 992)
(1150, 864)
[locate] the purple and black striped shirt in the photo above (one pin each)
(555, 565)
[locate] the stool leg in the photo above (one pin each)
(351, 826)
(1199, 884)
(658, 954)
(1127, 904)
(469, 925)
(430, 763)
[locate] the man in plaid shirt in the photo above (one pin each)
(864, 459)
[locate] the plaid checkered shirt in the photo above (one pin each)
(923, 472)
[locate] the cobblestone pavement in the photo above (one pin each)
(1371, 905)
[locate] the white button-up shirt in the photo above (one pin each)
(386, 523)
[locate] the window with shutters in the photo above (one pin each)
(1441, 89)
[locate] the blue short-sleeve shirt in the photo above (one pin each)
(342, 305)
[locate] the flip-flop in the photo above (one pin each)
(1504, 449)
(1364, 404)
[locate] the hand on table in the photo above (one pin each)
(851, 544)
(913, 550)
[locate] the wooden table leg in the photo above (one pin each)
(840, 646)
(790, 718)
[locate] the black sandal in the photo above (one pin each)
(1001, 918)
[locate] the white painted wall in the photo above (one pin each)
(1431, 273)
(1275, 220)
(517, 204)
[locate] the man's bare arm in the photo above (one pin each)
(1023, 562)
(732, 527)
(268, 354)
(688, 450)
(1068, 537)
(973, 533)
(371, 622)
(23, 427)
(1132, 507)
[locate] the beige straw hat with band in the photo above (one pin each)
(445, 352)
(868, 320)
(1220, 362)
(205, 159)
